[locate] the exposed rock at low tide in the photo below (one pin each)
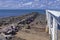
(29, 23)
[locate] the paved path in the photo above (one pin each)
(32, 35)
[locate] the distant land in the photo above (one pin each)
(17, 12)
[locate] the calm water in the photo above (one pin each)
(5, 13)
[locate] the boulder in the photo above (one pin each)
(2, 37)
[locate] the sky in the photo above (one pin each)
(22, 4)
(30, 4)
(53, 4)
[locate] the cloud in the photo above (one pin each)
(29, 3)
(19, 4)
(53, 4)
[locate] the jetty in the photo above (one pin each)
(29, 28)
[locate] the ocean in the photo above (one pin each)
(18, 12)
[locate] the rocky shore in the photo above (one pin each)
(24, 26)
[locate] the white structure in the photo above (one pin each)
(53, 18)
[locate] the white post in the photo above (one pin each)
(54, 30)
(49, 21)
(48, 17)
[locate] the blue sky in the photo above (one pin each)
(29, 4)
(22, 4)
(53, 4)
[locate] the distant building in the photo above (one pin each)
(53, 20)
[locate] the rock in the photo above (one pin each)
(17, 38)
(2, 37)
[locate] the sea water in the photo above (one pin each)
(17, 12)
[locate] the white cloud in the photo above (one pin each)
(49, 3)
(29, 3)
(57, 0)
(21, 4)
(36, 0)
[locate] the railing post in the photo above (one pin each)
(48, 18)
(54, 29)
